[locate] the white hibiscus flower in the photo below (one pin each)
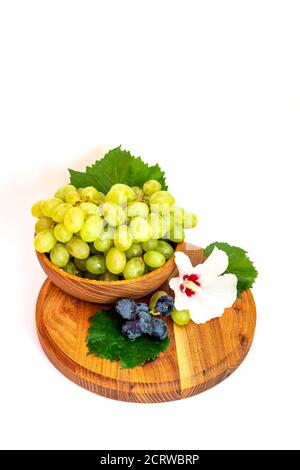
(203, 289)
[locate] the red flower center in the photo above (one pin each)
(190, 284)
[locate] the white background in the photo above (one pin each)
(211, 91)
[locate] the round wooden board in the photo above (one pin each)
(199, 357)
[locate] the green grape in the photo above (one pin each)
(101, 197)
(91, 194)
(42, 224)
(92, 228)
(154, 259)
(96, 264)
(158, 225)
(181, 217)
(147, 199)
(59, 255)
(177, 215)
(140, 229)
(59, 212)
(63, 191)
(134, 251)
(48, 205)
(174, 226)
(71, 269)
(109, 232)
(100, 209)
(190, 220)
(109, 277)
(181, 317)
(88, 275)
(93, 250)
(176, 234)
(62, 234)
(149, 245)
(161, 202)
(146, 270)
(151, 187)
(155, 297)
(74, 219)
(138, 209)
(103, 244)
(72, 197)
(80, 264)
(165, 249)
(44, 241)
(123, 238)
(139, 193)
(115, 261)
(134, 268)
(36, 210)
(168, 221)
(120, 194)
(89, 208)
(88, 193)
(113, 214)
(78, 248)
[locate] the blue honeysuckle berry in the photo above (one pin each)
(145, 322)
(126, 308)
(131, 329)
(165, 305)
(159, 329)
(142, 307)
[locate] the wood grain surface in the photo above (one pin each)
(199, 357)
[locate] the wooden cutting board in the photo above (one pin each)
(199, 357)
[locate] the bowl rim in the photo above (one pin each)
(44, 259)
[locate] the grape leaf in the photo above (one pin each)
(239, 264)
(117, 166)
(105, 339)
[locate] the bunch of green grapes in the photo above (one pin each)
(121, 235)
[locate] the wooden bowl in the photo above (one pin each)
(107, 292)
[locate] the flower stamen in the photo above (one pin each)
(190, 284)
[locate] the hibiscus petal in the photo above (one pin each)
(181, 303)
(181, 299)
(199, 310)
(174, 283)
(219, 293)
(216, 294)
(214, 265)
(183, 263)
(216, 285)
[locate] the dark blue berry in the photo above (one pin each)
(165, 305)
(126, 308)
(142, 307)
(131, 329)
(145, 322)
(159, 329)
